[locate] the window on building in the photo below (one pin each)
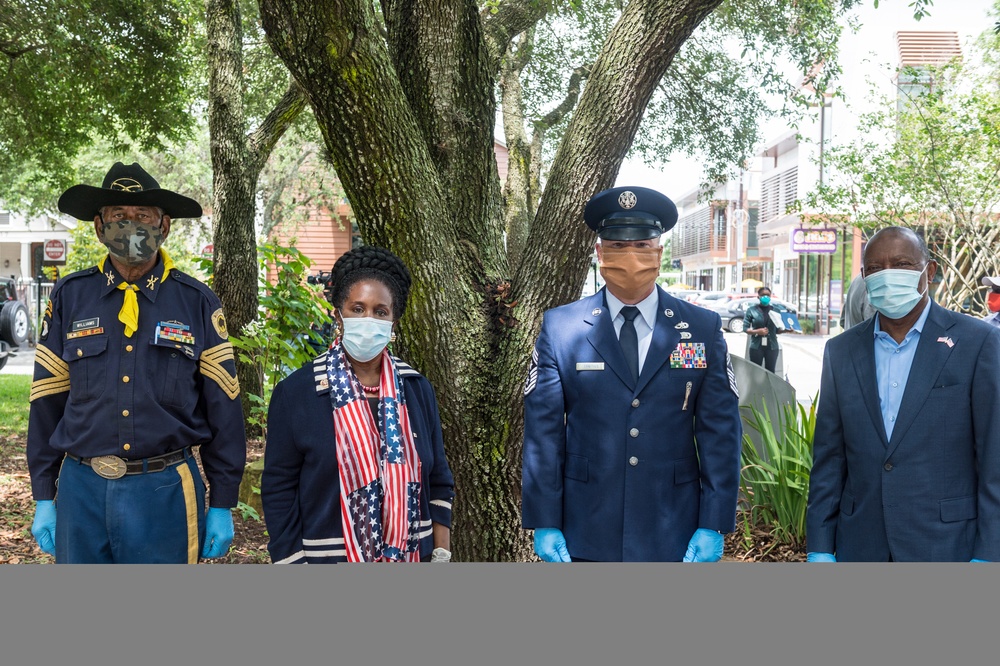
(4, 219)
(753, 250)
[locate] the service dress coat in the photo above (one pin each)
(629, 470)
(932, 491)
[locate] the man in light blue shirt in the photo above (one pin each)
(906, 453)
(892, 368)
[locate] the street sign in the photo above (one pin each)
(54, 253)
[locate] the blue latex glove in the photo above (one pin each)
(43, 528)
(550, 545)
(820, 557)
(704, 546)
(218, 532)
(975, 560)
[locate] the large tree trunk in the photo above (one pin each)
(235, 270)
(237, 160)
(409, 127)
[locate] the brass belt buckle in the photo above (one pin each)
(110, 467)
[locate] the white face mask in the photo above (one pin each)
(365, 337)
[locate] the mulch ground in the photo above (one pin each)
(249, 546)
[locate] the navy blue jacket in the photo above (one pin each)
(97, 392)
(932, 492)
(300, 486)
(629, 471)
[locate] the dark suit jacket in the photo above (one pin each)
(932, 492)
(614, 464)
(300, 485)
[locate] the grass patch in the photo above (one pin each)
(14, 391)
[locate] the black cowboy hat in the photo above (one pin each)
(125, 186)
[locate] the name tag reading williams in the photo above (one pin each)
(590, 366)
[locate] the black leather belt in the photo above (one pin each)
(113, 467)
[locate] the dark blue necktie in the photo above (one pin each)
(629, 340)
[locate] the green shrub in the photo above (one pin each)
(775, 481)
(282, 338)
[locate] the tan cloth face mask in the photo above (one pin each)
(630, 272)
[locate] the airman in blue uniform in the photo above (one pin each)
(134, 375)
(632, 430)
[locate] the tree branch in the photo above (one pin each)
(636, 54)
(554, 116)
(263, 139)
(511, 19)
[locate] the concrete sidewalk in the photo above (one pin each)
(802, 361)
(21, 361)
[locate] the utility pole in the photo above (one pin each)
(741, 216)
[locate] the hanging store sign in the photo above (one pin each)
(813, 241)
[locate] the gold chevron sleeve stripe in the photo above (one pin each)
(48, 360)
(219, 353)
(229, 384)
(49, 386)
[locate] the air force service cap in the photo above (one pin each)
(630, 213)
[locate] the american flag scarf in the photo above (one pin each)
(379, 467)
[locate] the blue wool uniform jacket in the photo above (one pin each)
(932, 492)
(629, 471)
(300, 486)
(97, 392)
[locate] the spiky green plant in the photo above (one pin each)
(775, 481)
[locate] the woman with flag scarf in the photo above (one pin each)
(354, 466)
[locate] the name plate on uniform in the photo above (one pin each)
(589, 366)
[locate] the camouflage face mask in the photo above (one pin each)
(133, 243)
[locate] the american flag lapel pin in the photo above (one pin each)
(947, 341)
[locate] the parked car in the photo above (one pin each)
(685, 294)
(732, 311)
(13, 320)
(710, 297)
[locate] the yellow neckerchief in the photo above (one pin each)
(129, 314)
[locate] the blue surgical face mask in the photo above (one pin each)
(894, 292)
(765, 300)
(365, 337)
